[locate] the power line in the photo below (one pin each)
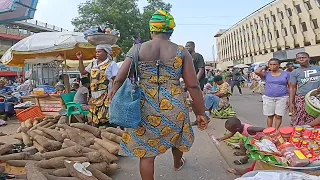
(199, 17)
(203, 25)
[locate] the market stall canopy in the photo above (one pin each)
(63, 44)
(17, 10)
(241, 66)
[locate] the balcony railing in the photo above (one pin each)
(42, 24)
(15, 32)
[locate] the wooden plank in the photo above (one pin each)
(51, 113)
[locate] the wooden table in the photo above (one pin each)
(50, 105)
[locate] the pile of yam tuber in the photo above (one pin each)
(55, 150)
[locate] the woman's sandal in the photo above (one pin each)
(240, 161)
(183, 162)
(235, 171)
(238, 153)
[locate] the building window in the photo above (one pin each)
(298, 8)
(253, 41)
(281, 15)
(289, 12)
(285, 32)
(270, 36)
(261, 23)
(307, 3)
(294, 29)
(304, 27)
(256, 24)
(258, 40)
(263, 38)
(317, 2)
(267, 21)
(244, 31)
(277, 34)
(251, 27)
(274, 18)
(247, 30)
(315, 23)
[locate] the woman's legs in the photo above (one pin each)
(270, 121)
(177, 158)
(147, 168)
(278, 121)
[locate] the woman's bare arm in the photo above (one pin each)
(192, 83)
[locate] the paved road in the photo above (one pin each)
(249, 107)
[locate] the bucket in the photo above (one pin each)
(310, 108)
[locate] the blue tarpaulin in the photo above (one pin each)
(17, 10)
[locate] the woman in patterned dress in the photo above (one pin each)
(102, 72)
(165, 120)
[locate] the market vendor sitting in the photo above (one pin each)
(82, 93)
(7, 104)
(222, 92)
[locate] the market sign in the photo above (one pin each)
(17, 10)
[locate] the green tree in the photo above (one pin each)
(123, 15)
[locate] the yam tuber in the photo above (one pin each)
(57, 117)
(33, 172)
(74, 136)
(6, 148)
(48, 125)
(61, 172)
(41, 133)
(75, 173)
(19, 163)
(22, 124)
(54, 163)
(31, 150)
(112, 168)
(101, 166)
(113, 149)
(39, 119)
(48, 144)
(98, 174)
(93, 130)
(55, 134)
(42, 123)
(28, 123)
(26, 139)
(15, 156)
(19, 129)
(40, 148)
(35, 122)
(112, 137)
(105, 153)
(111, 142)
(63, 120)
(88, 136)
(69, 143)
(74, 151)
(116, 131)
(53, 126)
(94, 157)
(36, 157)
(78, 159)
(51, 177)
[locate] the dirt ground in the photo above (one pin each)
(10, 129)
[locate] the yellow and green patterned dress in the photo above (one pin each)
(98, 112)
(165, 119)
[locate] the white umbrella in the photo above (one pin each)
(241, 66)
(65, 44)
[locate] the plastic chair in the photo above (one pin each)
(70, 105)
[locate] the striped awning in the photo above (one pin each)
(17, 10)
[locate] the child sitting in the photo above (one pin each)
(234, 125)
(82, 94)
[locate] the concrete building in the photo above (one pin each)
(280, 29)
(13, 32)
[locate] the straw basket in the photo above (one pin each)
(311, 108)
(96, 39)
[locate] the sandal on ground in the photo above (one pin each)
(235, 172)
(238, 153)
(183, 160)
(240, 161)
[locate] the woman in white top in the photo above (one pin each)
(102, 72)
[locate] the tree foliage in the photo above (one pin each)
(123, 15)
